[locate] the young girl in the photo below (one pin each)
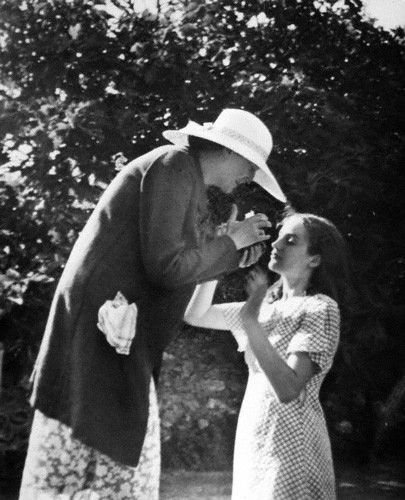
(289, 334)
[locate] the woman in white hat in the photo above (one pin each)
(96, 423)
(241, 135)
(289, 334)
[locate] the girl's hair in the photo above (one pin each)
(332, 277)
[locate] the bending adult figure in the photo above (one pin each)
(289, 333)
(96, 424)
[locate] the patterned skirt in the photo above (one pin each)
(59, 467)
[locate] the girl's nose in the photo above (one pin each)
(276, 244)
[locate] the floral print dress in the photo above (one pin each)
(282, 450)
(60, 467)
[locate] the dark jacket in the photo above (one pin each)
(144, 239)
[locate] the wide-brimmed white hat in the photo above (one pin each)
(241, 132)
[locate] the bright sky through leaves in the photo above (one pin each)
(387, 13)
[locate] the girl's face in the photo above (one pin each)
(290, 256)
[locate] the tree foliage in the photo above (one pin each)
(82, 91)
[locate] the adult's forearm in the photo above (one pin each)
(179, 267)
(168, 215)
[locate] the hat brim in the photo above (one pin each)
(268, 182)
(263, 175)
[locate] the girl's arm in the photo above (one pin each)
(200, 310)
(289, 378)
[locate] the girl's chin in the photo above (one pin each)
(274, 265)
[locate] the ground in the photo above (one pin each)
(383, 482)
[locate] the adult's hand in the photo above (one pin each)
(251, 255)
(249, 231)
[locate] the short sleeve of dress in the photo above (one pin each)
(231, 313)
(318, 334)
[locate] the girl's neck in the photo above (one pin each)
(294, 288)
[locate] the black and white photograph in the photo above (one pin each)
(202, 249)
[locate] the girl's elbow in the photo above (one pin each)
(188, 320)
(285, 399)
(191, 319)
(288, 396)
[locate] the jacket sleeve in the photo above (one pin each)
(167, 190)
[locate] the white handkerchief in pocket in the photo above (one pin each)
(117, 320)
